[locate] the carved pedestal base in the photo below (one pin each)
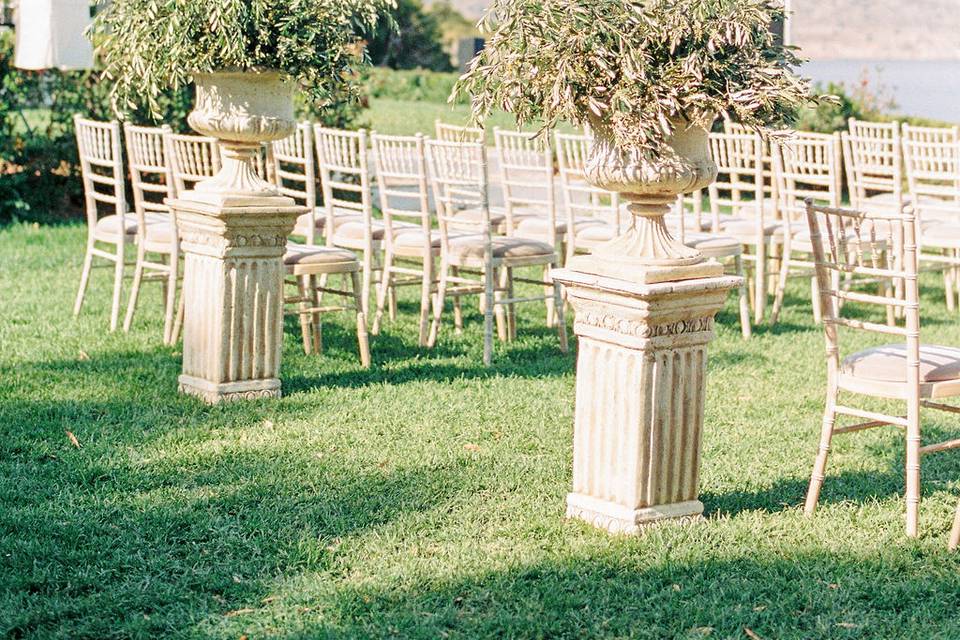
(641, 374)
(233, 297)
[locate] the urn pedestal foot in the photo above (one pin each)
(233, 297)
(641, 378)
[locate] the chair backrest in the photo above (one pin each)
(192, 159)
(344, 175)
(769, 179)
(401, 169)
(873, 161)
(456, 133)
(101, 167)
(295, 172)
(807, 166)
(740, 177)
(866, 248)
(580, 198)
(150, 175)
(932, 159)
(526, 176)
(458, 171)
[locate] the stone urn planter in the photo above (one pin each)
(234, 229)
(650, 183)
(242, 110)
(645, 306)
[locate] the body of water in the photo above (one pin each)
(930, 89)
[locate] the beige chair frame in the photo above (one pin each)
(867, 255)
(457, 133)
(402, 183)
(932, 160)
(101, 168)
(459, 175)
(580, 198)
(151, 180)
(343, 168)
(741, 172)
(192, 159)
(809, 166)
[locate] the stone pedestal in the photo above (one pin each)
(641, 375)
(233, 296)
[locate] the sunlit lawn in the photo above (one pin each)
(424, 497)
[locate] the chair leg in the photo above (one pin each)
(760, 283)
(439, 299)
(134, 289)
(363, 340)
(498, 309)
(84, 279)
(913, 476)
(386, 277)
(745, 328)
(304, 314)
(781, 287)
(815, 301)
(488, 305)
(561, 320)
(178, 321)
(367, 281)
(512, 308)
(820, 464)
(170, 308)
(117, 290)
(548, 300)
(457, 307)
(316, 322)
(955, 531)
(426, 286)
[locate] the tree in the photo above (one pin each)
(412, 40)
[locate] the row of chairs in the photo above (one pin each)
(476, 256)
(761, 189)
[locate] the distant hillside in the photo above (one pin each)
(858, 29)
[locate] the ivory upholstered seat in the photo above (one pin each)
(909, 371)
(299, 255)
(469, 249)
(712, 246)
(352, 233)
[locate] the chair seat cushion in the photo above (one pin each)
(540, 225)
(889, 363)
(672, 220)
(160, 233)
(471, 246)
(745, 227)
(498, 216)
(110, 225)
(340, 216)
(354, 230)
(301, 254)
(415, 239)
(941, 234)
(595, 233)
(713, 245)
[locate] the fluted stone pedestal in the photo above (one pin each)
(233, 296)
(641, 376)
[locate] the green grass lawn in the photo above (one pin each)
(404, 118)
(423, 498)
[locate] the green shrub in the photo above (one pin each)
(408, 38)
(417, 85)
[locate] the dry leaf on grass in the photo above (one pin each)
(83, 355)
(237, 612)
(73, 439)
(750, 633)
(472, 447)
